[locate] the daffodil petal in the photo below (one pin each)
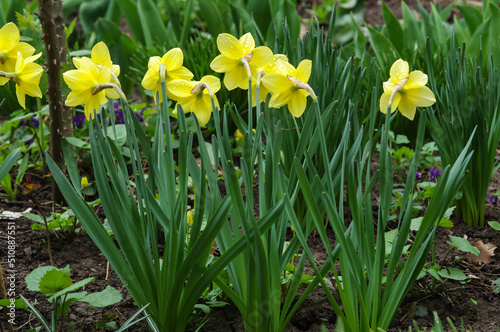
(407, 108)
(236, 78)
(247, 42)
(261, 56)
(21, 96)
(151, 79)
(112, 93)
(100, 54)
(384, 101)
(421, 96)
(303, 71)
(276, 83)
(416, 79)
(279, 99)
(154, 63)
(181, 73)
(399, 69)
(229, 46)
(115, 69)
(9, 36)
(297, 103)
(223, 64)
(77, 80)
(203, 111)
(32, 89)
(212, 81)
(25, 48)
(78, 97)
(179, 89)
(173, 59)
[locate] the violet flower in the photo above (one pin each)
(434, 174)
(79, 121)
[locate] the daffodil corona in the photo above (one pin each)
(171, 63)
(288, 86)
(239, 59)
(405, 91)
(196, 96)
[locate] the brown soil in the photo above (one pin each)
(452, 299)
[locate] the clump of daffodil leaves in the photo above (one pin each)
(405, 91)
(17, 63)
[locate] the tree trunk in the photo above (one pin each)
(52, 21)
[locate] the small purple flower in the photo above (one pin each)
(119, 116)
(36, 122)
(30, 141)
(79, 121)
(140, 114)
(425, 203)
(434, 174)
(493, 199)
(22, 122)
(418, 176)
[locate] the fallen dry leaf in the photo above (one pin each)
(485, 253)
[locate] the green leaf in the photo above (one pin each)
(33, 279)
(121, 134)
(71, 288)
(7, 164)
(32, 216)
(104, 298)
(18, 303)
(453, 273)
(414, 36)
(152, 23)
(495, 286)
(393, 28)
(494, 224)
(463, 244)
(54, 281)
(472, 16)
(384, 50)
(77, 142)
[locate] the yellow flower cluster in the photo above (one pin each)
(17, 63)
(94, 80)
(240, 60)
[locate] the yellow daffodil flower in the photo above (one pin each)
(27, 75)
(89, 86)
(196, 96)
(100, 56)
(405, 91)
(10, 46)
(239, 59)
(269, 68)
(84, 182)
(172, 60)
(189, 217)
(288, 86)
